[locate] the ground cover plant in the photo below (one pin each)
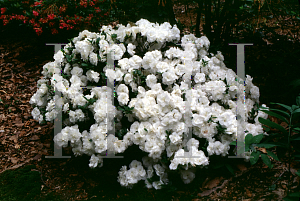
(153, 131)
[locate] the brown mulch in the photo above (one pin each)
(24, 141)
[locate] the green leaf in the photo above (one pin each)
(217, 166)
(266, 145)
(114, 36)
(285, 106)
(283, 112)
(272, 155)
(266, 128)
(248, 139)
(275, 115)
(296, 111)
(297, 129)
(298, 100)
(240, 150)
(230, 168)
(272, 124)
(256, 139)
(255, 157)
(293, 195)
(298, 173)
(272, 187)
(237, 143)
(120, 108)
(266, 160)
(296, 138)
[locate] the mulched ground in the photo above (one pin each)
(24, 141)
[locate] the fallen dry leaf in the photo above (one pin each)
(212, 183)
(14, 160)
(35, 137)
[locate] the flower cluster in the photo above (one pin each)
(55, 16)
(151, 83)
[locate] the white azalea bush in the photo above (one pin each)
(149, 107)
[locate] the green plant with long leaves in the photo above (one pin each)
(251, 142)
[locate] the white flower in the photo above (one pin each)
(157, 184)
(135, 164)
(103, 44)
(77, 71)
(159, 170)
(84, 48)
(124, 64)
(35, 113)
(226, 118)
(199, 77)
(128, 78)
(123, 98)
(130, 49)
(169, 77)
(162, 66)
(187, 176)
(119, 75)
(151, 80)
(93, 58)
(175, 138)
(120, 146)
(59, 56)
(254, 92)
(135, 62)
(122, 88)
(50, 116)
(111, 75)
(94, 161)
(92, 75)
(116, 52)
(131, 176)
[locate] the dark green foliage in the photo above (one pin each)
(21, 184)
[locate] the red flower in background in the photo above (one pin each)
(42, 20)
(5, 22)
(54, 31)
(32, 21)
(35, 13)
(51, 24)
(37, 25)
(97, 9)
(38, 31)
(3, 10)
(38, 3)
(51, 16)
(62, 9)
(83, 3)
(92, 3)
(2, 17)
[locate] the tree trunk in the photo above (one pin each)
(170, 11)
(199, 12)
(208, 19)
(220, 22)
